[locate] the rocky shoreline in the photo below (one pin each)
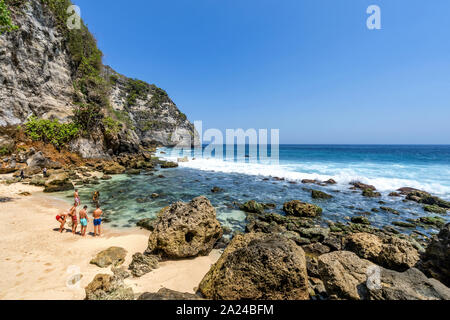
(296, 255)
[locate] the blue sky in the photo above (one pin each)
(309, 68)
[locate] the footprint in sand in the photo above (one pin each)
(49, 270)
(19, 274)
(48, 264)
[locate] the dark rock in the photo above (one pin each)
(252, 207)
(107, 287)
(169, 165)
(435, 209)
(436, 261)
(166, 294)
(360, 220)
(301, 209)
(316, 194)
(390, 210)
(114, 256)
(362, 186)
(216, 190)
(346, 276)
(143, 264)
(258, 266)
(369, 193)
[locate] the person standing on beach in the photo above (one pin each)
(83, 221)
(44, 172)
(77, 198)
(22, 175)
(98, 221)
(73, 215)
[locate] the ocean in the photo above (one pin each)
(127, 199)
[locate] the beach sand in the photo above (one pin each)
(37, 262)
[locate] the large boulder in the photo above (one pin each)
(389, 252)
(142, 264)
(114, 256)
(113, 168)
(436, 262)
(38, 160)
(58, 182)
(185, 230)
(258, 266)
(108, 287)
(301, 209)
(346, 276)
(167, 294)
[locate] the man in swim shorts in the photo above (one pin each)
(83, 220)
(97, 221)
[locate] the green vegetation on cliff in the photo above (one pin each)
(6, 23)
(51, 131)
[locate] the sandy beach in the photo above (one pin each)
(39, 263)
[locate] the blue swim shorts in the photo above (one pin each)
(97, 222)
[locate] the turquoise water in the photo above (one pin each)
(127, 199)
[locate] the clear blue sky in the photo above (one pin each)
(308, 67)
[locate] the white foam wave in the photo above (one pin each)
(374, 174)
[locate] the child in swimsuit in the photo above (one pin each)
(84, 221)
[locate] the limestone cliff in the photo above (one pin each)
(49, 71)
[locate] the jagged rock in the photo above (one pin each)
(106, 177)
(437, 222)
(346, 276)
(390, 210)
(147, 223)
(185, 230)
(362, 186)
(216, 190)
(120, 272)
(394, 194)
(38, 160)
(389, 252)
(435, 209)
(113, 256)
(258, 266)
(316, 194)
(369, 193)
(107, 287)
(252, 207)
(330, 182)
(169, 165)
(143, 264)
(410, 285)
(427, 199)
(436, 261)
(113, 168)
(58, 182)
(360, 220)
(301, 209)
(167, 294)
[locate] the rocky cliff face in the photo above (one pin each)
(38, 76)
(35, 70)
